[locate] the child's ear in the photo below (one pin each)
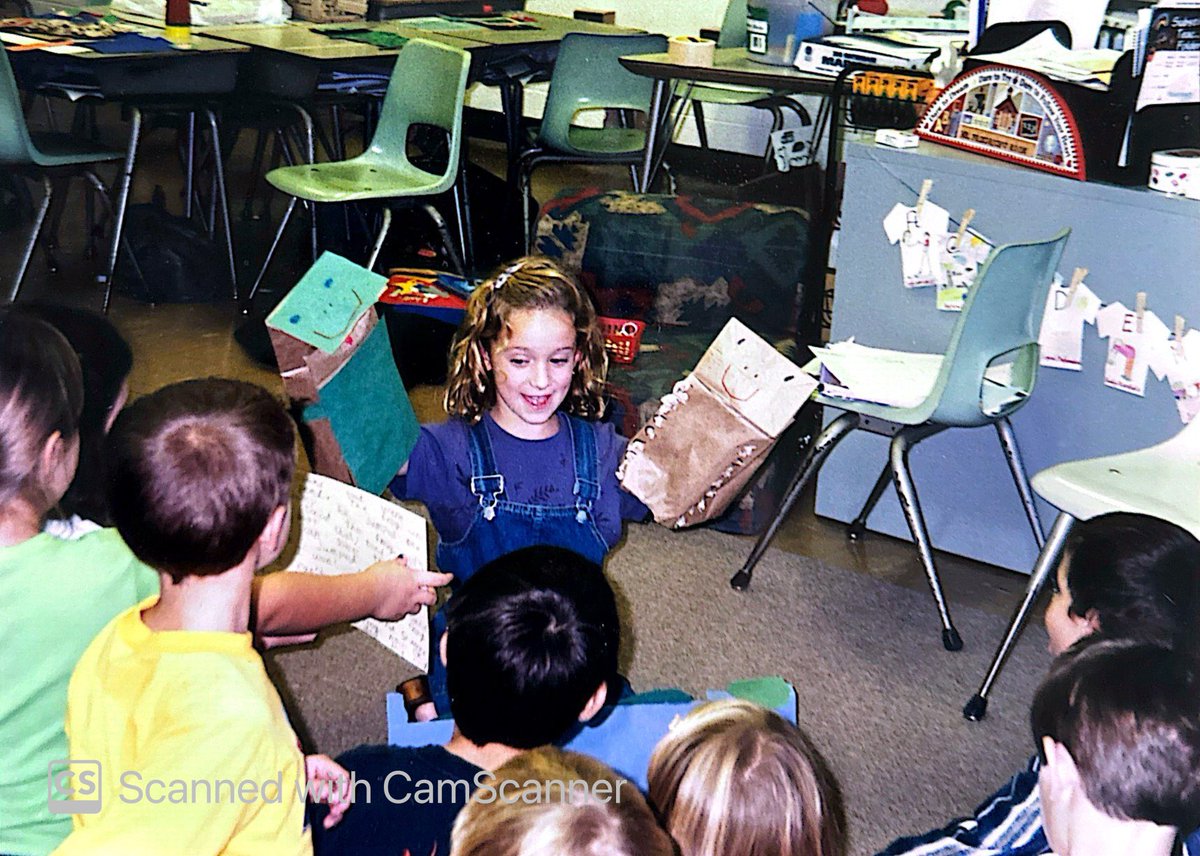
(484, 356)
(275, 534)
(1093, 621)
(442, 649)
(594, 703)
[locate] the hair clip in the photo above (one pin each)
(498, 282)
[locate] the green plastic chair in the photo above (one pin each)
(1161, 481)
(47, 155)
(999, 324)
(427, 87)
(733, 35)
(588, 76)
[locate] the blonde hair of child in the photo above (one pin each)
(733, 777)
(532, 282)
(41, 392)
(558, 803)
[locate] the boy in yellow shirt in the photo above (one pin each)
(170, 702)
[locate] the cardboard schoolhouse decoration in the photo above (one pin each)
(714, 429)
(336, 362)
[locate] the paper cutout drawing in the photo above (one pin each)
(919, 236)
(323, 307)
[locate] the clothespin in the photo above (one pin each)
(1141, 309)
(926, 186)
(1179, 336)
(967, 217)
(1076, 279)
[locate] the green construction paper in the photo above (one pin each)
(369, 412)
(769, 692)
(378, 38)
(323, 307)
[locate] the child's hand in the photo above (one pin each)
(329, 782)
(401, 591)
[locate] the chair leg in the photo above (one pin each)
(1012, 454)
(287, 215)
(911, 504)
(1047, 562)
(222, 198)
(126, 179)
(447, 240)
(524, 180)
(38, 220)
(462, 210)
(856, 529)
(701, 130)
(383, 230)
(825, 443)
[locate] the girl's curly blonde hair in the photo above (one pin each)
(532, 282)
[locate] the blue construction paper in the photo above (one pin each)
(130, 43)
(624, 739)
(369, 412)
(323, 307)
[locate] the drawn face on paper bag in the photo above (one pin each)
(754, 378)
(323, 307)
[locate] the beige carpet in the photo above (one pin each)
(876, 690)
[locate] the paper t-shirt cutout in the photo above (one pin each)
(1130, 353)
(324, 305)
(1183, 374)
(343, 530)
(920, 240)
(961, 261)
(1061, 337)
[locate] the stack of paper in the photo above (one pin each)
(894, 378)
(1043, 53)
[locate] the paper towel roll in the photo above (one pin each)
(1177, 172)
(691, 50)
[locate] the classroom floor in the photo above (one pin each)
(172, 342)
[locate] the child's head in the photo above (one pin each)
(733, 777)
(547, 802)
(1119, 719)
(531, 640)
(529, 344)
(41, 396)
(106, 361)
(1127, 576)
(197, 470)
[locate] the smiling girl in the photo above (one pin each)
(521, 460)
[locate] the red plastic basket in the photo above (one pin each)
(622, 337)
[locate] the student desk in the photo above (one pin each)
(182, 79)
(1129, 238)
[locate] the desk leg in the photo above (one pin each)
(135, 130)
(190, 166)
(656, 120)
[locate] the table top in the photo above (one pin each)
(300, 38)
(731, 65)
(198, 44)
(550, 28)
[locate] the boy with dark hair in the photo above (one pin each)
(530, 645)
(195, 752)
(1118, 729)
(1122, 576)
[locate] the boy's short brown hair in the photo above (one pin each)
(197, 469)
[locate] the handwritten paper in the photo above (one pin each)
(920, 236)
(1061, 337)
(343, 530)
(961, 260)
(1183, 373)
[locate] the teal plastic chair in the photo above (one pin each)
(999, 324)
(588, 76)
(733, 35)
(428, 84)
(1161, 481)
(46, 155)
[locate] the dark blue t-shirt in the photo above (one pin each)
(537, 472)
(409, 809)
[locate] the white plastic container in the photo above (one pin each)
(1176, 172)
